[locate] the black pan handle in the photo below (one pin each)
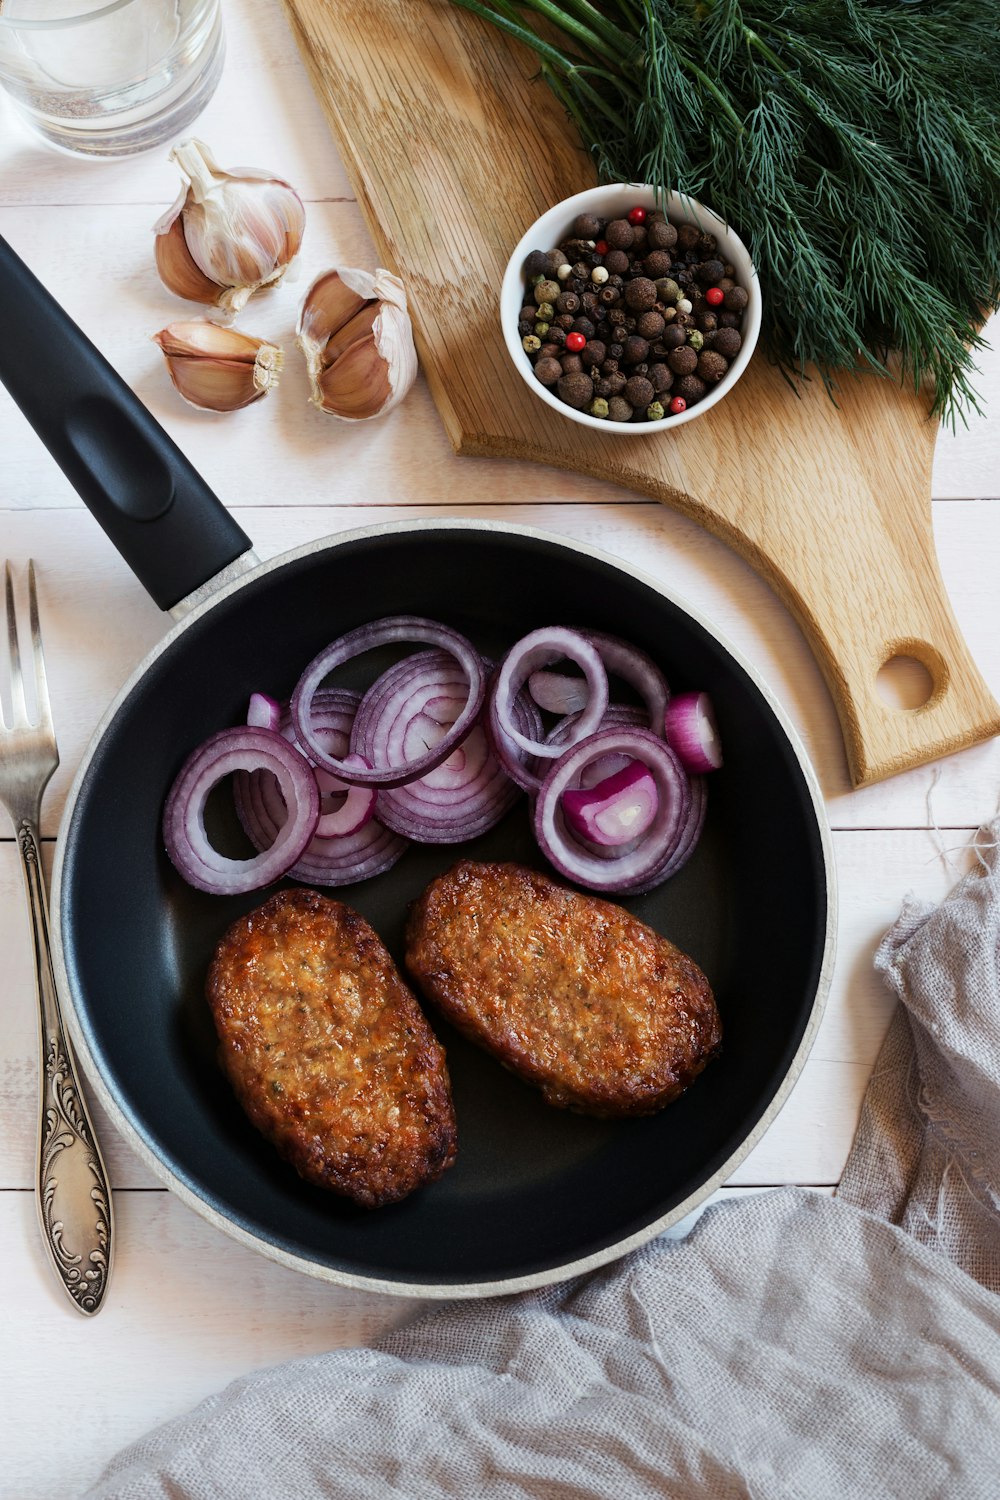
(171, 529)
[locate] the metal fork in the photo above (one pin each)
(72, 1189)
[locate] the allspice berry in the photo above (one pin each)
(710, 272)
(735, 299)
(711, 366)
(640, 294)
(567, 302)
(548, 371)
(673, 336)
(660, 234)
(657, 264)
(687, 236)
(728, 342)
(593, 353)
(691, 387)
(617, 262)
(619, 235)
(619, 409)
(536, 263)
(650, 325)
(635, 351)
(576, 389)
(639, 391)
(661, 377)
(682, 361)
(571, 364)
(587, 227)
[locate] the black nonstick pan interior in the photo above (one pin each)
(536, 1192)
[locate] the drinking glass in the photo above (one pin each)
(109, 79)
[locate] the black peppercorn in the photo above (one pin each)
(567, 302)
(661, 377)
(581, 271)
(608, 295)
(564, 321)
(710, 272)
(707, 322)
(616, 317)
(729, 320)
(616, 350)
(536, 263)
(584, 326)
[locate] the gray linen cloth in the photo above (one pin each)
(791, 1346)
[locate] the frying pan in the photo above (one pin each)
(537, 1194)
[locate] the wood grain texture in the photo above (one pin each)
(453, 151)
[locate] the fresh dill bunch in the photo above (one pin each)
(854, 145)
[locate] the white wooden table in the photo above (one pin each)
(188, 1309)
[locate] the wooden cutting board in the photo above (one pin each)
(454, 148)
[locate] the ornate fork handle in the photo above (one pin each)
(74, 1195)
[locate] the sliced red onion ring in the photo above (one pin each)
(690, 727)
(557, 693)
(537, 650)
(242, 749)
(465, 795)
(615, 811)
(687, 842)
(396, 628)
(264, 712)
(356, 809)
(351, 857)
(622, 659)
(639, 863)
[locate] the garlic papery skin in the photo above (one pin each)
(229, 233)
(357, 338)
(218, 369)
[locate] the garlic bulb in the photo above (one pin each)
(356, 335)
(229, 233)
(215, 368)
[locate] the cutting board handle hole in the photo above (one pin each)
(911, 676)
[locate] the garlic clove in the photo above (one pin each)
(218, 369)
(241, 228)
(356, 386)
(328, 305)
(357, 338)
(178, 271)
(355, 328)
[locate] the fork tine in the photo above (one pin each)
(20, 711)
(42, 706)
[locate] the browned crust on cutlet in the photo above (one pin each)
(569, 991)
(328, 1051)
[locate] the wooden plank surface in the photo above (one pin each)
(454, 150)
(189, 1309)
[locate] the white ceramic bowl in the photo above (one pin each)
(614, 202)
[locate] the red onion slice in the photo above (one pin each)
(686, 843)
(690, 728)
(557, 693)
(617, 810)
(622, 659)
(533, 652)
(463, 796)
(243, 749)
(264, 712)
(396, 628)
(355, 810)
(639, 863)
